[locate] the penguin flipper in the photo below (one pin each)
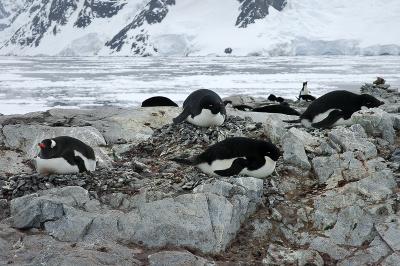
(180, 118)
(328, 122)
(255, 163)
(236, 167)
(80, 163)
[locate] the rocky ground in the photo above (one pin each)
(334, 199)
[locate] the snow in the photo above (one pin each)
(40, 83)
(207, 27)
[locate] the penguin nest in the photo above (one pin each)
(145, 166)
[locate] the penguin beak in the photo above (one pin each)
(41, 145)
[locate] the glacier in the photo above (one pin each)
(199, 28)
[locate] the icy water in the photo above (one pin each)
(39, 83)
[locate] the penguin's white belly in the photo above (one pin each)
(261, 172)
(322, 116)
(340, 121)
(206, 119)
(55, 166)
(90, 164)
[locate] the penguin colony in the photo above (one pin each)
(232, 156)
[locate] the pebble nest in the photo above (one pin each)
(146, 166)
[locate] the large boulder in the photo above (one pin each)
(206, 220)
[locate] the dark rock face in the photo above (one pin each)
(97, 9)
(44, 19)
(251, 10)
(154, 12)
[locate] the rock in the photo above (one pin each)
(309, 141)
(34, 210)
(228, 50)
(353, 227)
(11, 162)
(293, 151)
(325, 245)
(392, 260)
(390, 232)
(395, 157)
(204, 221)
(377, 123)
(40, 249)
(353, 139)
(178, 258)
(337, 167)
(278, 255)
(261, 228)
(369, 256)
(275, 129)
(5, 209)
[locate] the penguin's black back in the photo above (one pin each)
(277, 108)
(65, 144)
(195, 97)
(346, 101)
(158, 101)
(239, 147)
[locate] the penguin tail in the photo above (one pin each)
(185, 161)
(180, 118)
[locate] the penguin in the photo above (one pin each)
(236, 155)
(158, 101)
(335, 108)
(64, 155)
(282, 108)
(273, 98)
(305, 93)
(203, 108)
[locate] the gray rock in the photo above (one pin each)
(390, 232)
(376, 122)
(207, 221)
(72, 227)
(325, 245)
(369, 256)
(353, 227)
(353, 139)
(274, 129)
(36, 213)
(309, 141)
(330, 170)
(177, 258)
(279, 255)
(261, 228)
(11, 162)
(293, 151)
(392, 260)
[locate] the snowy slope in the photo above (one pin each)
(203, 27)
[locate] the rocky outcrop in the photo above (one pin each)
(333, 201)
(251, 10)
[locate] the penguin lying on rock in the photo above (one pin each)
(64, 155)
(335, 108)
(236, 156)
(203, 108)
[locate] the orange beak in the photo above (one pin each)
(42, 146)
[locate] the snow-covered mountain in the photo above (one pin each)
(199, 27)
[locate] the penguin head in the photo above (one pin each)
(270, 150)
(212, 104)
(370, 101)
(48, 148)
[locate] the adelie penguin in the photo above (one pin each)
(64, 155)
(236, 156)
(273, 98)
(305, 94)
(158, 101)
(202, 108)
(335, 108)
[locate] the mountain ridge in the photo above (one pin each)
(198, 28)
